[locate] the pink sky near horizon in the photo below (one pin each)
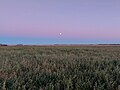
(83, 19)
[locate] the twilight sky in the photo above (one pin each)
(42, 21)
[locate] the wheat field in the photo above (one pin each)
(59, 67)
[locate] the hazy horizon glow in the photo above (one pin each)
(42, 21)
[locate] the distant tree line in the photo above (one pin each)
(3, 45)
(8, 45)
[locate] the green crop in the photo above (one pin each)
(59, 68)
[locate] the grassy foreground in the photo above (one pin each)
(60, 68)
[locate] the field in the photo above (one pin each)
(60, 68)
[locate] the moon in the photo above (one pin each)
(60, 33)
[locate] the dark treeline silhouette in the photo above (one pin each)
(3, 45)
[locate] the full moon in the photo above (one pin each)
(60, 33)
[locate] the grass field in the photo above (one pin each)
(59, 67)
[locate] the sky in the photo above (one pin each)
(59, 21)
